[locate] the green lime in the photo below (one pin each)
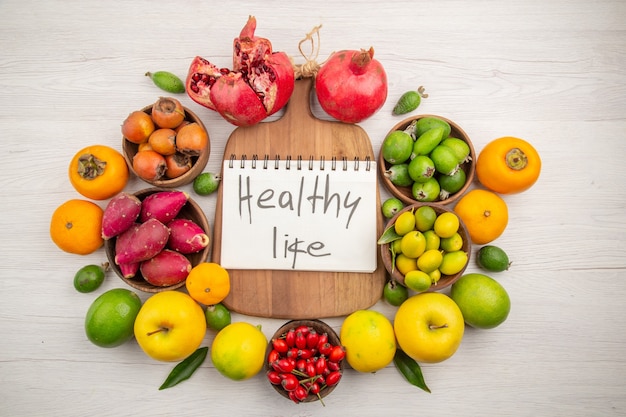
(391, 207)
(453, 262)
(397, 147)
(445, 160)
(206, 183)
(451, 184)
(413, 244)
(418, 281)
(395, 293)
(217, 316)
(426, 191)
(421, 168)
(426, 123)
(460, 147)
(484, 303)
(399, 176)
(90, 277)
(446, 224)
(111, 317)
(452, 243)
(425, 217)
(404, 223)
(492, 258)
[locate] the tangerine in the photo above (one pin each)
(76, 227)
(208, 283)
(484, 213)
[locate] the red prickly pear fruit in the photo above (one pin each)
(163, 206)
(186, 236)
(167, 268)
(120, 214)
(141, 242)
(129, 270)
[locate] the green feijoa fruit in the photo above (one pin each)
(408, 102)
(397, 147)
(493, 258)
(395, 293)
(460, 147)
(427, 123)
(90, 277)
(398, 174)
(391, 206)
(451, 184)
(217, 317)
(426, 191)
(206, 183)
(167, 81)
(445, 160)
(421, 168)
(425, 217)
(427, 141)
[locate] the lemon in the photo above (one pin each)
(429, 260)
(432, 240)
(404, 264)
(110, 319)
(369, 340)
(452, 243)
(435, 276)
(238, 351)
(446, 225)
(413, 244)
(484, 303)
(404, 223)
(418, 281)
(453, 262)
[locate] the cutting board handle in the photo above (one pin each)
(299, 105)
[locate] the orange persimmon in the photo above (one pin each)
(98, 172)
(508, 165)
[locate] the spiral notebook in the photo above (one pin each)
(299, 214)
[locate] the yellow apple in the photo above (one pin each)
(429, 327)
(170, 326)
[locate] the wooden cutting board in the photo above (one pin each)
(299, 294)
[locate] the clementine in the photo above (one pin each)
(484, 213)
(208, 283)
(76, 227)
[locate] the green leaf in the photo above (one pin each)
(186, 368)
(410, 370)
(389, 235)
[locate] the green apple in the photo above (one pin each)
(429, 327)
(170, 326)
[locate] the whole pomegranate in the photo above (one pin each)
(260, 83)
(351, 85)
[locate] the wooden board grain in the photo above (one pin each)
(299, 294)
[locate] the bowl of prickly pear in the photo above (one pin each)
(304, 360)
(427, 158)
(154, 237)
(425, 247)
(165, 144)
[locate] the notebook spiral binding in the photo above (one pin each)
(299, 164)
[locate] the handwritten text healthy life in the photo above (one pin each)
(297, 218)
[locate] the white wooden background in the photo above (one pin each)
(552, 72)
